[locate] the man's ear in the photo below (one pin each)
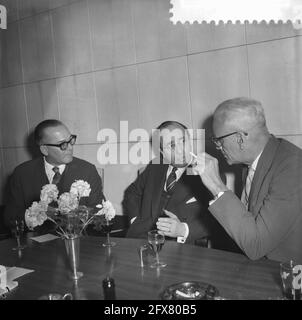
(44, 150)
(240, 141)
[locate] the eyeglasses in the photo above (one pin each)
(63, 145)
(217, 141)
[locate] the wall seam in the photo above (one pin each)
(136, 66)
(43, 11)
(149, 61)
(247, 61)
(23, 82)
(55, 64)
(92, 67)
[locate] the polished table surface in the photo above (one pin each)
(234, 275)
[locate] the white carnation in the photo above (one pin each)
(107, 209)
(67, 202)
(80, 188)
(49, 193)
(36, 214)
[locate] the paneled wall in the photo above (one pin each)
(94, 63)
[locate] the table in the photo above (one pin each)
(234, 275)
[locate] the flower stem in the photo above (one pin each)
(18, 241)
(63, 232)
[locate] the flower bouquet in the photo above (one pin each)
(69, 217)
(65, 210)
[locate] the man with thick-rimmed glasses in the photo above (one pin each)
(267, 220)
(56, 165)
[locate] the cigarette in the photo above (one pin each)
(193, 155)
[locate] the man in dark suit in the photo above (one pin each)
(165, 197)
(267, 220)
(57, 165)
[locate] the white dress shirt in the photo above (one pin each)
(252, 170)
(178, 173)
(49, 172)
(249, 179)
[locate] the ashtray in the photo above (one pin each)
(191, 290)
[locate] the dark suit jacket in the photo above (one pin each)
(272, 226)
(142, 200)
(29, 177)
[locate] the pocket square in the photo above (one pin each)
(191, 200)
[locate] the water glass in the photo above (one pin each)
(289, 285)
(17, 229)
(107, 227)
(156, 241)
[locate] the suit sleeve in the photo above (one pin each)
(15, 207)
(134, 194)
(96, 195)
(198, 230)
(260, 232)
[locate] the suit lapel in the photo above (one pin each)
(41, 177)
(182, 190)
(159, 179)
(65, 183)
(263, 166)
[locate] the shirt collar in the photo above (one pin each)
(49, 167)
(178, 172)
(255, 162)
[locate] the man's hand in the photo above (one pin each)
(208, 169)
(171, 227)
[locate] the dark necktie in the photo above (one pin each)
(171, 180)
(57, 177)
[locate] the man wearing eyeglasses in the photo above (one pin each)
(266, 221)
(56, 165)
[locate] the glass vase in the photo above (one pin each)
(72, 246)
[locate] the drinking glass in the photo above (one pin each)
(156, 241)
(287, 273)
(107, 227)
(17, 229)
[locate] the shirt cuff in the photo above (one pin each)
(216, 197)
(184, 238)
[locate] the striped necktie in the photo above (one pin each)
(171, 180)
(57, 177)
(247, 188)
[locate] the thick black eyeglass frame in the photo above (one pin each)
(63, 145)
(217, 140)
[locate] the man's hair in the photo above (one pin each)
(168, 125)
(230, 110)
(40, 128)
(171, 124)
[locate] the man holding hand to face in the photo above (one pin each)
(165, 197)
(267, 220)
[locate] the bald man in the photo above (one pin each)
(267, 220)
(56, 165)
